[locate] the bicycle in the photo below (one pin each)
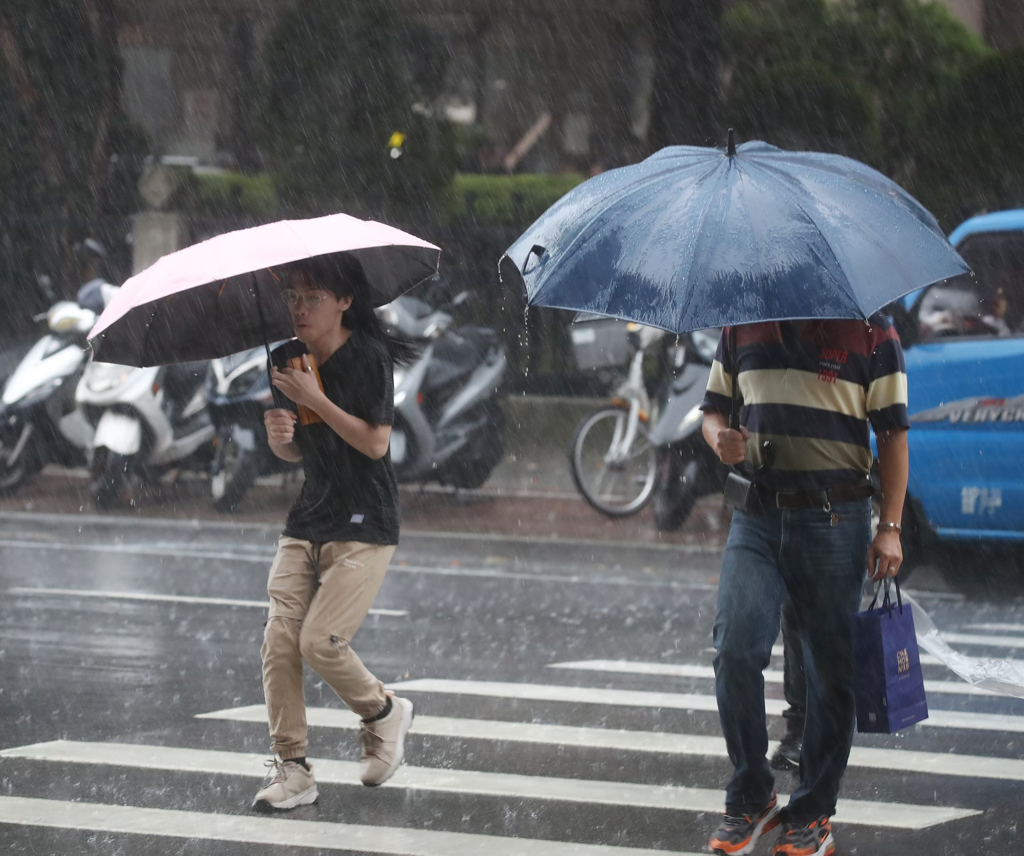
(611, 458)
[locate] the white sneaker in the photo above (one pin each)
(383, 743)
(288, 785)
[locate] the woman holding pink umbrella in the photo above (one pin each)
(319, 279)
(342, 530)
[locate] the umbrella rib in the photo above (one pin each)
(702, 236)
(795, 185)
(894, 259)
(613, 199)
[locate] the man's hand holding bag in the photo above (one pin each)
(889, 683)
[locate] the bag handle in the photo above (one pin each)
(886, 602)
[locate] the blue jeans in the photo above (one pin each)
(821, 567)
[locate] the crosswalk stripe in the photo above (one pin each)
(167, 598)
(863, 812)
(672, 701)
(772, 676)
(578, 695)
(926, 659)
(997, 628)
(984, 641)
(655, 742)
(310, 834)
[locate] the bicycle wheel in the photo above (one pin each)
(616, 482)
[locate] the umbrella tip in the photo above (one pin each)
(731, 151)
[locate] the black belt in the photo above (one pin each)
(824, 499)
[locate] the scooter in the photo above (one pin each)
(147, 422)
(238, 391)
(447, 420)
(687, 467)
(39, 423)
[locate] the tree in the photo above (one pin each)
(807, 105)
(685, 99)
(859, 77)
(335, 98)
(977, 161)
(60, 86)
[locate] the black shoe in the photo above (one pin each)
(787, 756)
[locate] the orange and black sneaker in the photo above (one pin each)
(738, 834)
(806, 839)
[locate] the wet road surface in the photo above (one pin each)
(563, 696)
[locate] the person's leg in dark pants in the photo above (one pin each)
(750, 595)
(824, 567)
(794, 685)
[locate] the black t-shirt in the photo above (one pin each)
(346, 495)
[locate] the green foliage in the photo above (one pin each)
(335, 95)
(226, 194)
(868, 78)
(65, 72)
(506, 200)
(807, 105)
(977, 162)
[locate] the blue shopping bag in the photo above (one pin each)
(889, 683)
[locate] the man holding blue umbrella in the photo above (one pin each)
(795, 253)
(807, 393)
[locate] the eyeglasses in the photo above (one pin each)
(311, 300)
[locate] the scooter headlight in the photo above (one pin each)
(104, 377)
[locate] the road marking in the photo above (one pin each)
(987, 641)
(267, 557)
(772, 676)
(576, 695)
(997, 628)
(272, 530)
(926, 659)
(673, 701)
(670, 797)
(655, 742)
(168, 598)
(313, 834)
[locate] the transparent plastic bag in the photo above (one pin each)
(998, 676)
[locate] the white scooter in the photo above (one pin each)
(39, 423)
(148, 421)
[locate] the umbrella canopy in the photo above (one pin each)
(222, 296)
(695, 237)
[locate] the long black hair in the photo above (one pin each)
(343, 276)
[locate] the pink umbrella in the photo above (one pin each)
(221, 296)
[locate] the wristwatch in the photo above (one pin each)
(888, 526)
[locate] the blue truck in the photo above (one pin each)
(964, 346)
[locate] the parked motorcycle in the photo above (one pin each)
(687, 467)
(39, 422)
(147, 422)
(448, 424)
(238, 391)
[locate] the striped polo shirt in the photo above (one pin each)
(813, 395)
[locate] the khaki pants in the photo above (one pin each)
(319, 595)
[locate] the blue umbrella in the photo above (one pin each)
(707, 237)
